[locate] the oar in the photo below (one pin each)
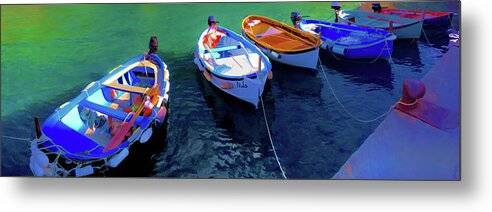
(120, 136)
(211, 52)
(246, 53)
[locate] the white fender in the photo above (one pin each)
(146, 136)
(327, 44)
(35, 168)
(38, 156)
(166, 97)
(84, 171)
(116, 160)
(275, 54)
(338, 49)
(41, 159)
(135, 135)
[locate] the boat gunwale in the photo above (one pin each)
(366, 14)
(53, 121)
(239, 39)
(284, 28)
(388, 36)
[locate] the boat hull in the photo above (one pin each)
(246, 89)
(246, 83)
(382, 50)
(304, 59)
(432, 19)
(350, 41)
(440, 22)
(403, 28)
(65, 150)
(411, 31)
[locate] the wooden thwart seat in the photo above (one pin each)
(236, 65)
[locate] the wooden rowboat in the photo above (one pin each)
(282, 43)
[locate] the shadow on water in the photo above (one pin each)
(378, 72)
(407, 53)
(438, 39)
(140, 162)
(212, 134)
(243, 122)
(296, 81)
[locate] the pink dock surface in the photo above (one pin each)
(406, 148)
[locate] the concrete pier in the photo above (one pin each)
(406, 148)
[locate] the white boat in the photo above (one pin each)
(282, 43)
(235, 66)
(403, 28)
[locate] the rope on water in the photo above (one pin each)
(16, 138)
(425, 36)
(344, 108)
(451, 25)
(271, 140)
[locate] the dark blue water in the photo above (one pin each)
(212, 135)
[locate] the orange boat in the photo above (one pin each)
(282, 43)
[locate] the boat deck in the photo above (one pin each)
(279, 39)
(405, 148)
(238, 65)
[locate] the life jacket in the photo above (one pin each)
(212, 41)
(138, 101)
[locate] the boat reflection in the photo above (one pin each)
(378, 72)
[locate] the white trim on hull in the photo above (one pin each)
(307, 59)
(409, 32)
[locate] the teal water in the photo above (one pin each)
(50, 52)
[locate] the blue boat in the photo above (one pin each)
(351, 41)
(95, 130)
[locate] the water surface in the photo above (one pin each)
(51, 52)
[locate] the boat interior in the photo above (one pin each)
(231, 58)
(345, 36)
(101, 115)
(277, 37)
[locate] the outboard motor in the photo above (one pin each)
(153, 46)
(376, 7)
(336, 7)
(296, 18)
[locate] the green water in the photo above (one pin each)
(48, 50)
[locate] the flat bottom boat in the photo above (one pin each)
(282, 43)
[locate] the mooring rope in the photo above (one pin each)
(343, 106)
(17, 138)
(271, 140)
(425, 36)
(451, 25)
